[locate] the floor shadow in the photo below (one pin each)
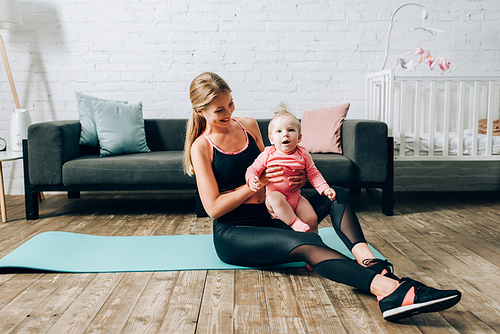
(123, 204)
(43, 29)
(17, 270)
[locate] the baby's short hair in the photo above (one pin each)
(283, 112)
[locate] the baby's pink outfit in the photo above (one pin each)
(300, 159)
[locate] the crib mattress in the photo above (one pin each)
(452, 143)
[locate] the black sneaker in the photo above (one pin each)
(412, 297)
(382, 267)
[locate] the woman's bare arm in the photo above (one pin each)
(215, 204)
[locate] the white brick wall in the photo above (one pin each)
(309, 53)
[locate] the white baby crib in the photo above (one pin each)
(437, 117)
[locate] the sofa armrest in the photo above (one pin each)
(50, 145)
(364, 142)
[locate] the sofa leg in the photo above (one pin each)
(388, 190)
(200, 210)
(30, 197)
(73, 194)
(31, 205)
(387, 201)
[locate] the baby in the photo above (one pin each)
(290, 207)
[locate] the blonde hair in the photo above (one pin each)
(204, 88)
(283, 112)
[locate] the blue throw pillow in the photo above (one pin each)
(88, 133)
(120, 127)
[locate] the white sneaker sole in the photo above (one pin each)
(430, 306)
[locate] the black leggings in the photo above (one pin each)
(248, 236)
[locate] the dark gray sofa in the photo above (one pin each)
(54, 161)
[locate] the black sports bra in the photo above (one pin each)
(230, 168)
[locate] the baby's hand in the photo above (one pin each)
(330, 193)
(254, 184)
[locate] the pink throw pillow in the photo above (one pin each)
(322, 129)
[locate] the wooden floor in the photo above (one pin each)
(447, 240)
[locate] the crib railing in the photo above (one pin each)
(423, 108)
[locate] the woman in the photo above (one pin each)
(218, 150)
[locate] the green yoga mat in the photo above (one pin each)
(81, 253)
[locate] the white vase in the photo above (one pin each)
(19, 124)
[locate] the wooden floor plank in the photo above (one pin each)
(13, 313)
(184, 305)
(79, 315)
(216, 313)
(349, 308)
(41, 319)
(250, 314)
(16, 285)
(151, 308)
(283, 309)
(113, 315)
(315, 306)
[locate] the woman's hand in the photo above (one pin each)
(299, 180)
(295, 182)
(271, 175)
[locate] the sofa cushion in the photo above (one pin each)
(336, 169)
(165, 134)
(140, 168)
(120, 127)
(88, 134)
(322, 129)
